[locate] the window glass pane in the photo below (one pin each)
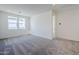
(21, 20)
(12, 22)
(21, 23)
(12, 26)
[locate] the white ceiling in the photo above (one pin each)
(62, 7)
(32, 9)
(26, 9)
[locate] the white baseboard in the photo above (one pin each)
(67, 38)
(5, 37)
(43, 36)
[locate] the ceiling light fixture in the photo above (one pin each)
(19, 12)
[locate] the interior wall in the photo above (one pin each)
(5, 32)
(69, 27)
(0, 24)
(41, 25)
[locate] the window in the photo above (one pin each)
(12, 22)
(21, 23)
(16, 23)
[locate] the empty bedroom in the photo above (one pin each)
(39, 29)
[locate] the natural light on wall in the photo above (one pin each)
(54, 19)
(16, 22)
(53, 26)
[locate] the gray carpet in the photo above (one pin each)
(28, 45)
(5, 49)
(33, 45)
(2, 45)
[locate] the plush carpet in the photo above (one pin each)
(34, 45)
(28, 45)
(5, 49)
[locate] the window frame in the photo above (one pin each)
(18, 19)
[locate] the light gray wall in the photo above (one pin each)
(41, 25)
(69, 28)
(0, 24)
(5, 32)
